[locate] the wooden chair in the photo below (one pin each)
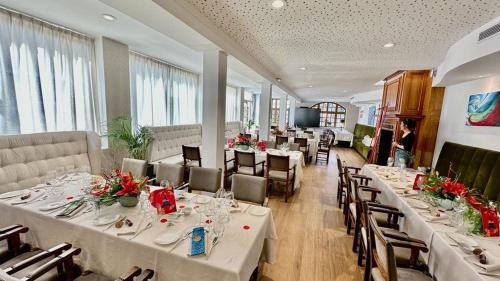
(174, 173)
(191, 155)
(281, 140)
(342, 187)
(271, 144)
(324, 150)
(249, 188)
(229, 168)
(278, 170)
(137, 167)
(303, 146)
(382, 266)
(291, 132)
(245, 164)
(204, 179)
(294, 147)
(12, 235)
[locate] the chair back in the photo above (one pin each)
(339, 165)
(271, 144)
(246, 159)
(249, 188)
(278, 162)
(291, 132)
(191, 153)
(137, 167)
(349, 184)
(382, 251)
(204, 179)
(294, 147)
(301, 141)
(281, 140)
(174, 173)
(309, 132)
(248, 136)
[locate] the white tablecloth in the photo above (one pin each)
(446, 262)
(343, 135)
(313, 144)
(296, 158)
(234, 258)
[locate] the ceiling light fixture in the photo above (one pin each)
(310, 86)
(389, 45)
(278, 79)
(303, 68)
(278, 4)
(345, 91)
(109, 17)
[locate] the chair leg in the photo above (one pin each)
(286, 192)
(357, 229)
(349, 222)
(361, 251)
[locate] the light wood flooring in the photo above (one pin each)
(313, 244)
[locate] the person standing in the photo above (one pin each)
(405, 145)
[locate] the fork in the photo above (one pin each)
(186, 236)
(148, 226)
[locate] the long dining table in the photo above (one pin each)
(446, 261)
(248, 238)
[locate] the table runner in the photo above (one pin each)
(234, 258)
(446, 262)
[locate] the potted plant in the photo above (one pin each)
(242, 142)
(137, 140)
(119, 187)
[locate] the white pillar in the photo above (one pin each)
(214, 108)
(242, 99)
(265, 110)
(282, 117)
(291, 115)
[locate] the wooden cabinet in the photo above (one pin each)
(409, 94)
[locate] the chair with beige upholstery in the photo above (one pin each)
(174, 173)
(281, 140)
(303, 146)
(204, 179)
(271, 144)
(249, 188)
(382, 266)
(291, 132)
(245, 163)
(294, 147)
(279, 171)
(28, 160)
(137, 167)
(191, 156)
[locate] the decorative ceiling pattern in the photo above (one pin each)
(340, 42)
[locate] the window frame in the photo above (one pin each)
(331, 112)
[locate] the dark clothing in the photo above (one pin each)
(407, 141)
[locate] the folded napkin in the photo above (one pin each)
(493, 263)
(33, 196)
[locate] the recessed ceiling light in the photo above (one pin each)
(277, 4)
(303, 68)
(310, 86)
(278, 79)
(109, 17)
(389, 45)
(480, 76)
(345, 91)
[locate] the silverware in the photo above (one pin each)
(215, 241)
(186, 236)
(131, 232)
(148, 226)
(113, 223)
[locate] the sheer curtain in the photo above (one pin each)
(233, 104)
(46, 77)
(161, 94)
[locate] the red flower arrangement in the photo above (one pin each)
(242, 140)
(118, 184)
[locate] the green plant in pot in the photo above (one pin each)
(119, 187)
(136, 140)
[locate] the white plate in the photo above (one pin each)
(201, 199)
(106, 219)
(168, 238)
(53, 206)
(13, 194)
(257, 211)
(463, 240)
(417, 204)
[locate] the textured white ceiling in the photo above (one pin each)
(341, 42)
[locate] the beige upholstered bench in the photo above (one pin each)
(26, 160)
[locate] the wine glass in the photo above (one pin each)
(164, 184)
(390, 162)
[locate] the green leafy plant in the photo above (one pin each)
(250, 124)
(474, 217)
(137, 141)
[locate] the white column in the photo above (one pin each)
(265, 110)
(291, 115)
(214, 108)
(242, 99)
(282, 120)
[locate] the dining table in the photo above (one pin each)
(445, 259)
(249, 235)
(296, 159)
(342, 135)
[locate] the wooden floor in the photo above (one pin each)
(312, 241)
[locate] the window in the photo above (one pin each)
(332, 114)
(232, 104)
(275, 112)
(248, 108)
(162, 94)
(46, 77)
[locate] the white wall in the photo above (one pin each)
(452, 124)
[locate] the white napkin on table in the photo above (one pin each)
(493, 263)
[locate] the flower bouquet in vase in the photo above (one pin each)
(444, 190)
(119, 187)
(242, 142)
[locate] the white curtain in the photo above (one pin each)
(46, 77)
(233, 104)
(161, 94)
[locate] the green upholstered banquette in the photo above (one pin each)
(360, 131)
(477, 168)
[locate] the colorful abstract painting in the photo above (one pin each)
(484, 109)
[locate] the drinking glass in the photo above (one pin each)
(164, 183)
(218, 228)
(390, 162)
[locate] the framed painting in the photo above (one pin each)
(484, 109)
